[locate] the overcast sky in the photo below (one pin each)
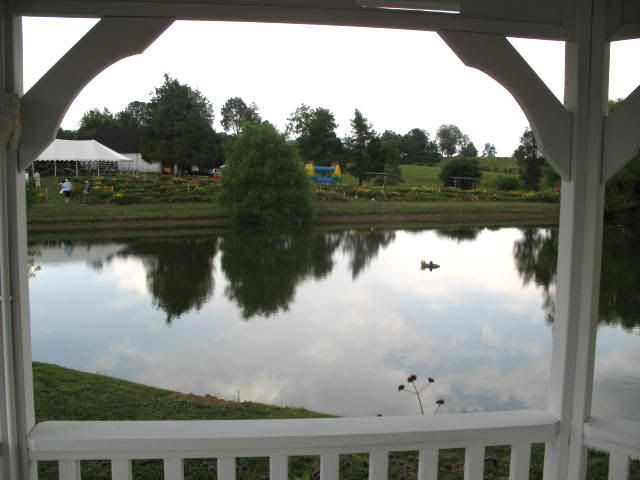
(399, 79)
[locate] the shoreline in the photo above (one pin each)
(84, 218)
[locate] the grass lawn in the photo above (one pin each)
(65, 394)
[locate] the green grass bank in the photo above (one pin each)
(65, 394)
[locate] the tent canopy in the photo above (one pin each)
(80, 151)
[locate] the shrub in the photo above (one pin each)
(264, 181)
(460, 167)
(507, 183)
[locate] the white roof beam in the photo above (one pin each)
(334, 12)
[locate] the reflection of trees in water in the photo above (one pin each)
(536, 257)
(179, 272)
(363, 246)
(265, 268)
(459, 234)
(620, 285)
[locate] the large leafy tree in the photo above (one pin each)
(362, 134)
(97, 118)
(180, 128)
(264, 182)
(462, 168)
(530, 161)
(417, 147)
(235, 112)
(466, 147)
(316, 134)
(134, 115)
(448, 137)
(489, 151)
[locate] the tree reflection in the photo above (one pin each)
(461, 234)
(179, 272)
(264, 268)
(536, 255)
(363, 246)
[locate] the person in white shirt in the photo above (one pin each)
(66, 190)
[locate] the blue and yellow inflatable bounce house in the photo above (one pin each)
(318, 174)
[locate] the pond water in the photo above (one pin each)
(333, 320)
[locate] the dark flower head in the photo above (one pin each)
(440, 401)
(400, 388)
(431, 380)
(412, 378)
(378, 415)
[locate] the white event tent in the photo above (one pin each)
(79, 151)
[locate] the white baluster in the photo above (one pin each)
(226, 468)
(69, 469)
(330, 467)
(121, 470)
(474, 463)
(173, 469)
(428, 464)
(379, 465)
(279, 468)
(520, 461)
(618, 466)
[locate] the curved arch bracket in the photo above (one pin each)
(621, 135)
(43, 107)
(549, 119)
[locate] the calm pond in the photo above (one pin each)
(333, 320)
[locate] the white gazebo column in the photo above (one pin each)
(580, 243)
(17, 415)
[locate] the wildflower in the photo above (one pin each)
(400, 388)
(431, 380)
(440, 401)
(412, 378)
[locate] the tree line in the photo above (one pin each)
(176, 129)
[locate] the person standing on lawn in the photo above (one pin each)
(86, 190)
(67, 188)
(36, 177)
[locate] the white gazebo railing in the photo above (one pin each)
(173, 441)
(585, 145)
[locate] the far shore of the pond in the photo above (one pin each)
(83, 217)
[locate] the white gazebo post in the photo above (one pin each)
(17, 408)
(580, 242)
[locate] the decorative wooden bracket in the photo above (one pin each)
(45, 104)
(549, 119)
(621, 135)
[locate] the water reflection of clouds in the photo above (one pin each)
(342, 347)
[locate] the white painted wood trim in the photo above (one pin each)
(474, 463)
(520, 461)
(226, 468)
(621, 135)
(379, 464)
(580, 244)
(304, 13)
(204, 439)
(611, 435)
(121, 470)
(279, 467)
(618, 466)
(330, 467)
(69, 470)
(549, 119)
(45, 104)
(428, 464)
(174, 469)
